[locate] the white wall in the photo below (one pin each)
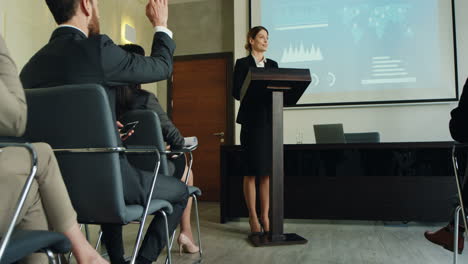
(241, 27)
(399, 123)
(200, 27)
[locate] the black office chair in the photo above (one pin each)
(148, 133)
(461, 208)
(76, 120)
(17, 244)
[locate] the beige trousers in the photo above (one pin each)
(48, 206)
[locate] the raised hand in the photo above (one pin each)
(157, 12)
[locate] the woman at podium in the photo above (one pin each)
(255, 119)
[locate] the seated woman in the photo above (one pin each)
(48, 205)
(132, 97)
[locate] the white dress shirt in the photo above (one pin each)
(163, 29)
(261, 63)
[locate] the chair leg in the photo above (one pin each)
(172, 239)
(138, 240)
(459, 189)
(4, 240)
(70, 255)
(50, 256)
(169, 259)
(195, 201)
(170, 245)
(455, 234)
(198, 229)
(98, 242)
(86, 229)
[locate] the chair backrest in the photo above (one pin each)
(79, 116)
(147, 132)
(366, 137)
(329, 133)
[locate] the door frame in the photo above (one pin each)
(229, 133)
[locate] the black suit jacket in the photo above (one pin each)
(459, 122)
(254, 108)
(148, 101)
(72, 58)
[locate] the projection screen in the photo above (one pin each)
(364, 51)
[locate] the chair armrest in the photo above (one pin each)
(135, 149)
(188, 148)
(178, 152)
(185, 149)
(90, 150)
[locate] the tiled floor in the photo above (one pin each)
(329, 242)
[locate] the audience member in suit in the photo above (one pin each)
(458, 126)
(78, 53)
(255, 117)
(47, 204)
(132, 97)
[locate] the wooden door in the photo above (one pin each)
(202, 107)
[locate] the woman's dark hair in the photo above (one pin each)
(125, 95)
(252, 34)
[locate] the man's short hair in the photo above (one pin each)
(62, 10)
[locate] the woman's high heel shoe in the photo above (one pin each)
(255, 233)
(186, 245)
(262, 225)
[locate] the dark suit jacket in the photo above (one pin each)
(172, 135)
(459, 123)
(72, 58)
(254, 107)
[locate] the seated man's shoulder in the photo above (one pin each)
(100, 39)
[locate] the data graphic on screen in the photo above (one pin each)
(364, 51)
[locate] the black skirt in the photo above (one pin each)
(179, 166)
(256, 142)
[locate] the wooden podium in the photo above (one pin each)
(286, 86)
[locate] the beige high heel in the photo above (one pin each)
(186, 245)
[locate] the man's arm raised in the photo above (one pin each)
(120, 66)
